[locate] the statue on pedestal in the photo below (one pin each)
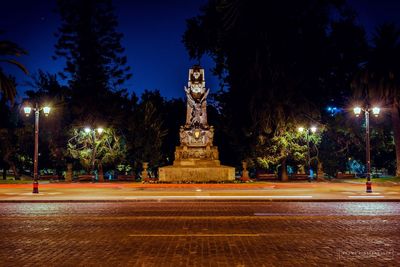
(196, 93)
(196, 159)
(196, 131)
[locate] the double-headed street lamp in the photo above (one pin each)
(311, 130)
(27, 111)
(99, 130)
(367, 110)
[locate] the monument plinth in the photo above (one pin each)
(196, 159)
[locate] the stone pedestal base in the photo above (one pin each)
(196, 173)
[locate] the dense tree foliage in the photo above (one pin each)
(8, 51)
(12, 143)
(378, 81)
(95, 65)
(95, 148)
(46, 90)
(147, 131)
(281, 63)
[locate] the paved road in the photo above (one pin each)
(200, 234)
(249, 191)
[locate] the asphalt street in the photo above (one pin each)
(166, 192)
(205, 233)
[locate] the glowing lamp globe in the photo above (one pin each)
(357, 111)
(376, 111)
(313, 129)
(46, 111)
(27, 110)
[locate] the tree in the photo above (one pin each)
(8, 140)
(173, 116)
(379, 78)
(279, 65)
(95, 66)
(347, 49)
(146, 130)
(7, 84)
(342, 140)
(47, 90)
(16, 142)
(275, 62)
(95, 148)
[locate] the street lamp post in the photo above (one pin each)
(46, 111)
(367, 110)
(312, 129)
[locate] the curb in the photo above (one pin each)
(194, 200)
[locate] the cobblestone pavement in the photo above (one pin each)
(200, 234)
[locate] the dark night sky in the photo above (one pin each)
(152, 39)
(153, 32)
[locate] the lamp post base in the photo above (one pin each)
(369, 186)
(35, 187)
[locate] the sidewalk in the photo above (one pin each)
(259, 191)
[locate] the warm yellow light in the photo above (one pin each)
(300, 129)
(357, 111)
(100, 130)
(376, 111)
(313, 129)
(46, 111)
(87, 130)
(27, 110)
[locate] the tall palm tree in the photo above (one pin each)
(379, 77)
(9, 50)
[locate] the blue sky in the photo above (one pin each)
(153, 32)
(371, 13)
(152, 39)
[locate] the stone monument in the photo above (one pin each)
(145, 175)
(196, 159)
(245, 173)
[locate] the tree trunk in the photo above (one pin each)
(284, 175)
(320, 171)
(69, 173)
(101, 174)
(4, 173)
(15, 170)
(396, 132)
(6, 159)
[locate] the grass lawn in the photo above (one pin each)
(15, 181)
(374, 180)
(24, 179)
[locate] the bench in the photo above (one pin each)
(126, 177)
(345, 175)
(86, 177)
(50, 177)
(266, 176)
(299, 176)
